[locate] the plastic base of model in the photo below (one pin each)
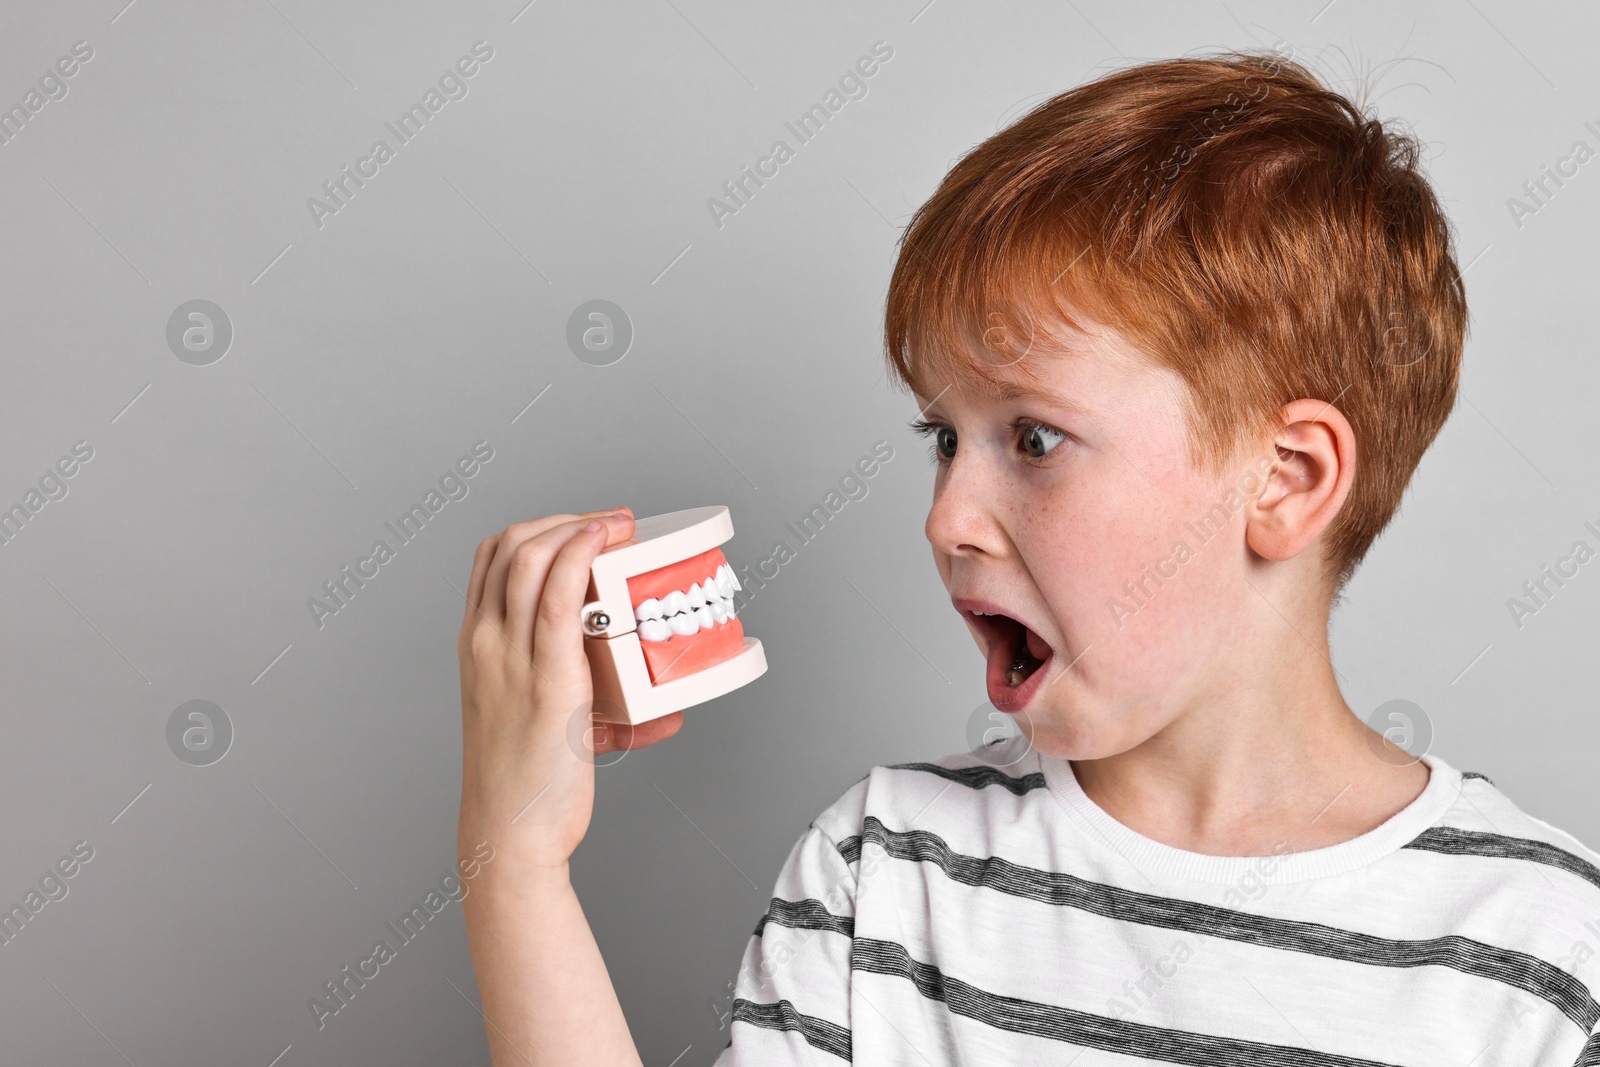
(622, 689)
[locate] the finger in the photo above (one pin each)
(606, 736)
(644, 734)
(515, 534)
(557, 630)
(493, 598)
(530, 564)
(469, 616)
(525, 578)
(480, 572)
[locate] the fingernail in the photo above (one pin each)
(621, 515)
(592, 525)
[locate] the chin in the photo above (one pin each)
(1084, 734)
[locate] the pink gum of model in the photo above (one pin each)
(623, 691)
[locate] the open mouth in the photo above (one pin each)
(686, 621)
(1015, 655)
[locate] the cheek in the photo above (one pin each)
(1128, 571)
(1085, 543)
(1164, 595)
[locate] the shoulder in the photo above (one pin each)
(1512, 859)
(942, 792)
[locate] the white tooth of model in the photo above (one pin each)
(711, 590)
(734, 578)
(725, 581)
(697, 596)
(675, 603)
(705, 618)
(650, 609)
(654, 630)
(684, 624)
(720, 610)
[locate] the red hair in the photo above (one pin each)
(1242, 225)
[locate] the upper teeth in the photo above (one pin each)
(685, 611)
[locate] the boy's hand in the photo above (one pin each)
(524, 677)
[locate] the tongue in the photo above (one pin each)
(1036, 646)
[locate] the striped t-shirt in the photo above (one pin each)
(980, 911)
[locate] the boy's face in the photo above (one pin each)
(1077, 512)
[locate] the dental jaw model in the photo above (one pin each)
(659, 627)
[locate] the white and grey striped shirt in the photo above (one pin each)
(966, 911)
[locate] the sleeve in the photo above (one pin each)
(791, 997)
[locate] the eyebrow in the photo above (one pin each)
(1000, 391)
(1003, 391)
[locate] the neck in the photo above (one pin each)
(1260, 758)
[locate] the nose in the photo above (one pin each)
(962, 520)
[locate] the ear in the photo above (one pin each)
(1316, 465)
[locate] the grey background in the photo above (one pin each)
(427, 314)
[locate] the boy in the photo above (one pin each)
(1179, 337)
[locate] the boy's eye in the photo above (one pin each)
(1040, 440)
(944, 440)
